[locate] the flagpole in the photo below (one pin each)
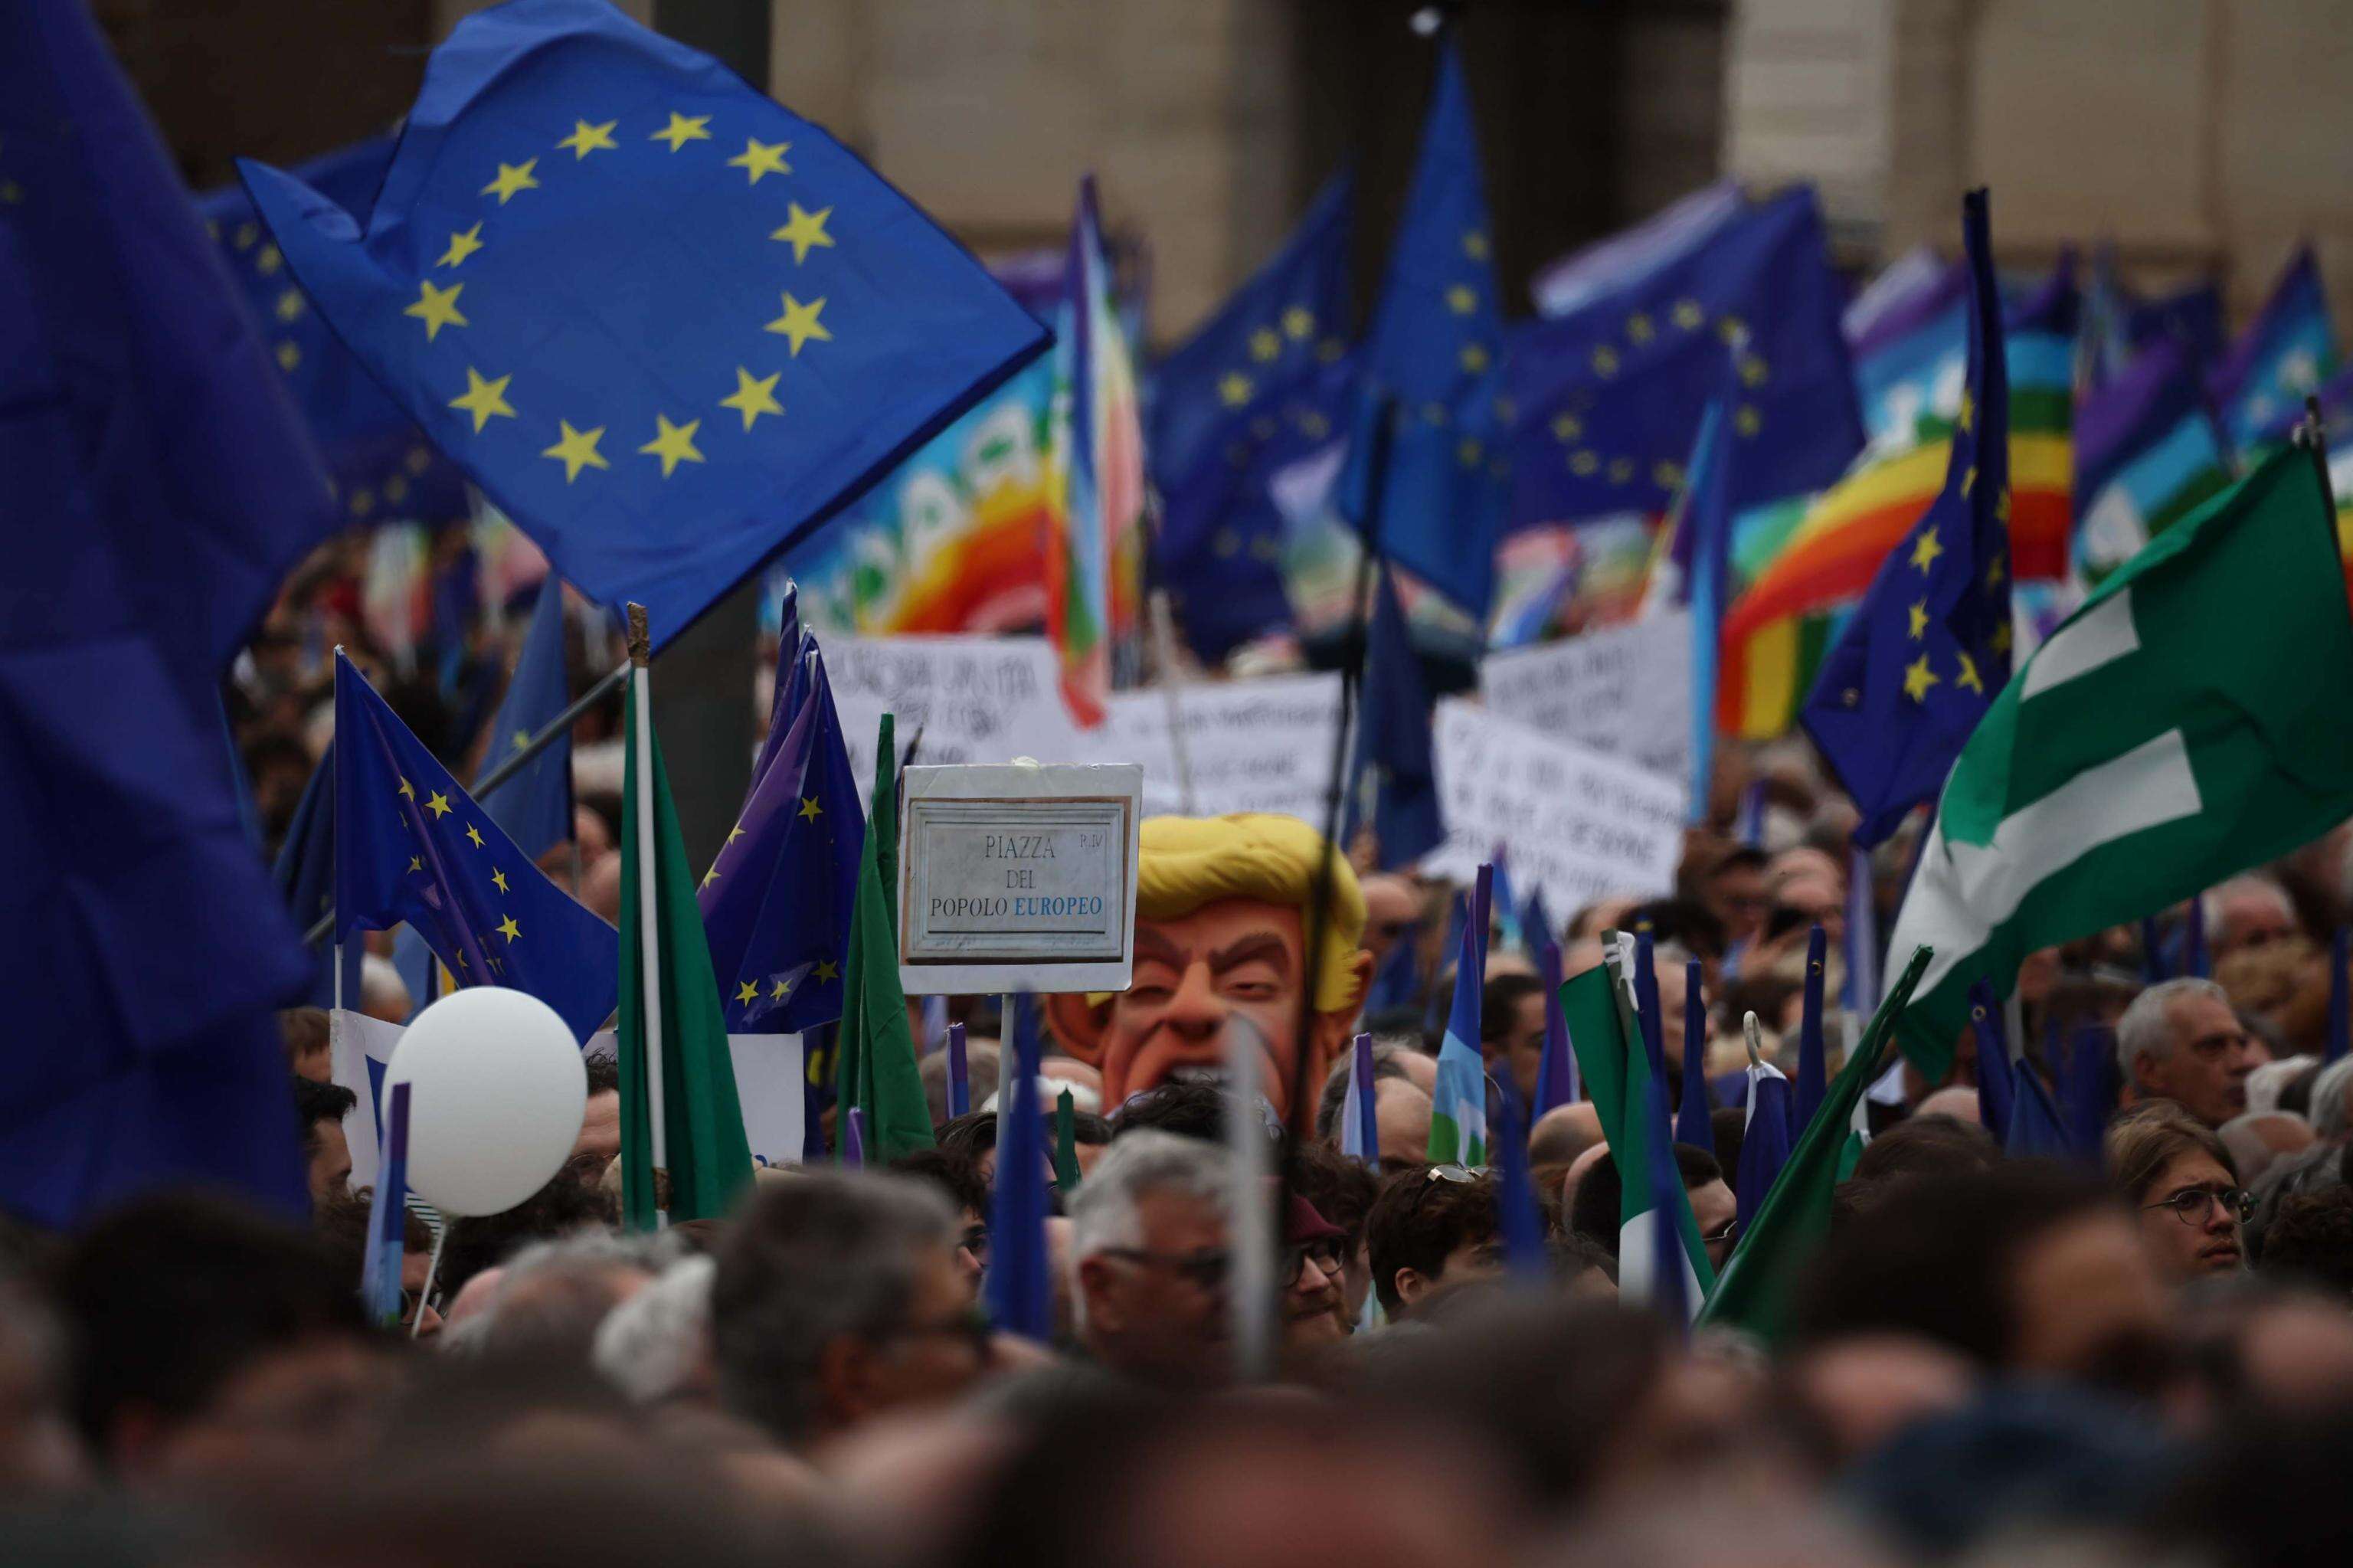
(334, 888)
(641, 762)
(522, 755)
(1164, 654)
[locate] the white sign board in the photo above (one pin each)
(1249, 746)
(1624, 690)
(1578, 824)
(1017, 877)
(973, 699)
(769, 1070)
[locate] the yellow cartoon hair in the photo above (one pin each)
(1188, 862)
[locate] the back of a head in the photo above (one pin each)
(555, 1294)
(1932, 1256)
(958, 1179)
(2310, 1239)
(833, 1253)
(1499, 1004)
(169, 1296)
(1922, 1147)
(1419, 1219)
(565, 1206)
(1185, 1109)
(2331, 1101)
(1595, 1211)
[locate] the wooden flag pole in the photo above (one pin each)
(641, 764)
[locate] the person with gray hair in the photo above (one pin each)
(1150, 1257)
(837, 1299)
(553, 1297)
(655, 1346)
(2179, 1041)
(2332, 1102)
(2247, 911)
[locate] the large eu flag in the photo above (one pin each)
(381, 463)
(1923, 657)
(670, 326)
(1609, 396)
(776, 903)
(157, 487)
(411, 844)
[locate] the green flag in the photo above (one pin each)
(874, 1060)
(2187, 723)
(1598, 1006)
(1754, 1291)
(674, 1022)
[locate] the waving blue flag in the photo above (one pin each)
(1018, 1288)
(1432, 357)
(158, 488)
(776, 903)
(534, 804)
(1394, 764)
(382, 465)
(1609, 396)
(670, 326)
(1997, 1075)
(2285, 354)
(411, 844)
(1556, 1068)
(2147, 455)
(1921, 659)
(1765, 1139)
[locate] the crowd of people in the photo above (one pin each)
(1987, 1356)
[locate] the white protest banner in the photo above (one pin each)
(1623, 690)
(358, 1048)
(1018, 878)
(975, 699)
(769, 1076)
(1250, 745)
(1578, 824)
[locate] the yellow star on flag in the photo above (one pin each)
(577, 450)
(1461, 298)
(1993, 573)
(438, 804)
(748, 992)
(783, 989)
(1298, 324)
(804, 230)
(1969, 677)
(827, 970)
(498, 879)
(513, 178)
(1234, 388)
(522, 741)
(760, 158)
(682, 129)
(1917, 679)
(1753, 370)
(1605, 360)
(1968, 410)
(2000, 637)
(674, 444)
(800, 323)
(1746, 419)
(1688, 314)
(1638, 328)
(1265, 344)
(289, 357)
(437, 308)
(509, 929)
(1473, 357)
(462, 244)
(710, 876)
(484, 398)
(1567, 426)
(1925, 552)
(1920, 620)
(811, 811)
(474, 833)
(408, 792)
(1474, 246)
(586, 138)
(755, 396)
(289, 305)
(415, 863)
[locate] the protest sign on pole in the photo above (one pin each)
(975, 699)
(1581, 825)
(1249, 746)
(1623, 690)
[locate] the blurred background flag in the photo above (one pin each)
(2147, 454)
(411, 844)
(1458, 1122)
(534, 804)
(2287, 352)
(625, 292)
(1432, 354)
(1395, 788)
(1094, 555)
(158, 489)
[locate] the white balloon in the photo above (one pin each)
(496, 1091)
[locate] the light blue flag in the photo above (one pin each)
(1458, 1121)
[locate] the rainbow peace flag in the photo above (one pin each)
(1093, 559)
(1811, 566)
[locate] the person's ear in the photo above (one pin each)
(1410, 1285)
(1078, 1024)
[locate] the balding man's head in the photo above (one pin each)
(1564, 1132)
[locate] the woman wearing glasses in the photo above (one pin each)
(2180, 1177)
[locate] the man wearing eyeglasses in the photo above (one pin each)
(2179, 1178)
(1149, 1252)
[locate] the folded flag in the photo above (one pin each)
(1917, 667)
(533, 804)
(779, 901)
(875, 1070)
(1360, 1133)
(1693, 1110)
(1765, 1137)
(2192, 316)
(1608, 395)
(411, 844)
(1458, 1120)
(1520, 1219)
(2283, 357)
(1094, 557)
(382, 465)
(1018, 1288)
(684, 1155)
(667, 324)
(2147, 453)
(1394, 765)
(1431, 360)
(1556, 1069)
(1997, 1077)
(1813, 1061)
(2177, 729)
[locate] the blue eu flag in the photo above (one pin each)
(670, 326)
(381, 463)
(1394, 767)
(158, 487)
(1252, 390)
(1920, 661)
(1607, 397)
(776, 903)
(533, 805)
(411, 844)
(1432, 355)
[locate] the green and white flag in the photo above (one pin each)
(2194, 718)
(1603, 1030)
